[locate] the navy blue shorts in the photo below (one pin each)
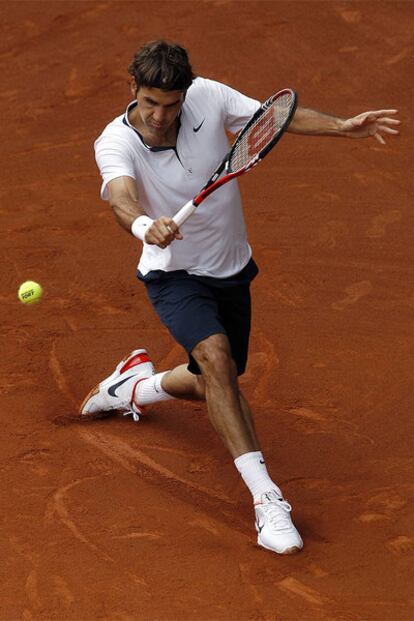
(196, 307)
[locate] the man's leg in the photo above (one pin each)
(182, 384)
(231, 417)
(228, 410)
(225, 410)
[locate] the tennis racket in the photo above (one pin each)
(254, 141)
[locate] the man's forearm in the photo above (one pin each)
(126, 210)
(314, 123)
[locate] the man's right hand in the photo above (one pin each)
(162, 232)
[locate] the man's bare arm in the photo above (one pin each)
(374, 123)
(124, 201)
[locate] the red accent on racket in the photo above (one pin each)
(253, 143)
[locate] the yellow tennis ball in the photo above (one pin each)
(30, 292)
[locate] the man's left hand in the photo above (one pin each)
(376, 123)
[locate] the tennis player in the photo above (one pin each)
(153, 159)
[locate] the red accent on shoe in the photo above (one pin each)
(134, 361)
(139, 407)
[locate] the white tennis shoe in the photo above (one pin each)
(275, 529)
(115, 393)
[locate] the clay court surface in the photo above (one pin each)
(118, 521)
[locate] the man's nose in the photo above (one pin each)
(159, 115)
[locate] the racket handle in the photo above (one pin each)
(184, 213)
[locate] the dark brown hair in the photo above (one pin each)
(163, 65)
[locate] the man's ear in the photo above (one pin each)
(134, 88)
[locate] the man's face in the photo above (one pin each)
(158, 109)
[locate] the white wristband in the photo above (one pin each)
(140, 226)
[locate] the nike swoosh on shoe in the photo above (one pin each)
(112, 389)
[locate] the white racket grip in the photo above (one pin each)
(184, 213)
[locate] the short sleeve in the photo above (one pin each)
(113, 160)
(237, 108)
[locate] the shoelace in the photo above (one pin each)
(277, 513)
(135, 413)
(135, 416)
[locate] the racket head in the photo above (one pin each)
(262, 131)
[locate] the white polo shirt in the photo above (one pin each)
(215, 242)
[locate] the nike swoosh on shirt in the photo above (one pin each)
(112, 389)
(259, 527)
(195, 129)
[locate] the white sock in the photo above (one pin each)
(254, 473)
(150, 390)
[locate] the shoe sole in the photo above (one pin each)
(287, 552)
(95, 390)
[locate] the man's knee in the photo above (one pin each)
(213, 356)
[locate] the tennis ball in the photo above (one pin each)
(30, 292)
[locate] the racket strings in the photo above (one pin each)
(261, 132)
